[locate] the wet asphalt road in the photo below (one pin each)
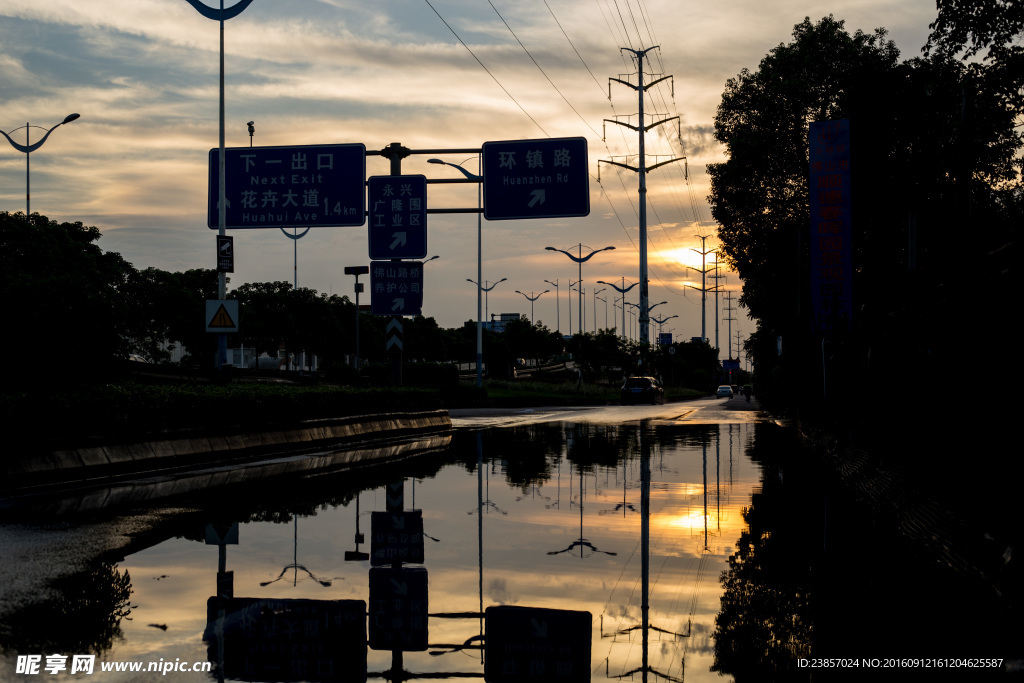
(35, 551)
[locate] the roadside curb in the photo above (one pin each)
(204, 448)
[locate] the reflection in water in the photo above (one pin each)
(83, 615)
(628, 524)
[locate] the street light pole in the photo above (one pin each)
(478, 177)
(661, 323)
(357, 271)
(295, 236)
(221, 15)
(28, 148)
(531, 299)
(568, 295)
(596, 292)
(579, 260)
(558, 306)
(621, 290)
(643, 317)
(486, 291)
(581, 292)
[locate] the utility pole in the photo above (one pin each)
(729, 316)
(716, 277)
(703, 289)
(642, 169)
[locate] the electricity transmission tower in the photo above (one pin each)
(642, 168)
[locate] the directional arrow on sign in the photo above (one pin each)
(397, 304)
(399, 240)
(400, 587)
(540, 628)
(538, 196)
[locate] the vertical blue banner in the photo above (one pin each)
(831, 231)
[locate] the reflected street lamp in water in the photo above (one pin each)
(295, 566)
(28, 148)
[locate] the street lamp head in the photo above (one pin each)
(434, 161)
(70, 117)
(550, 249)
(501, 280)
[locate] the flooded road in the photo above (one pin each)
(668, 543)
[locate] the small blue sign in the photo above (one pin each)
(398, 216)
(396, 288)
(545, 178)
(314, 186)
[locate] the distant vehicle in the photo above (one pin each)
(642, 390)
(735, 389)
(724, 391)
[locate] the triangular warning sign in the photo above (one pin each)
(222, 319)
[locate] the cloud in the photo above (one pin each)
(144, 74)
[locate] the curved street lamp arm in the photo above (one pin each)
(588, 256)
(295, 237)
(618, 289)
(219, 14)
(579, 259)
(471, 176)
(28, 149)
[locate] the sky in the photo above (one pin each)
(431, 75)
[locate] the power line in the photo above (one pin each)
(486, 69)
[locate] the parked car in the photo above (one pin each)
(724, 391)
(642, 390)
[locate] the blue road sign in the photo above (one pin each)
(545, 178)
(398, 216)
(290, 187)
(396, 288)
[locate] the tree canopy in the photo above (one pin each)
(936, 181)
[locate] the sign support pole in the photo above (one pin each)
(394, 153)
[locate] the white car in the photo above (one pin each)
(724, 391)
